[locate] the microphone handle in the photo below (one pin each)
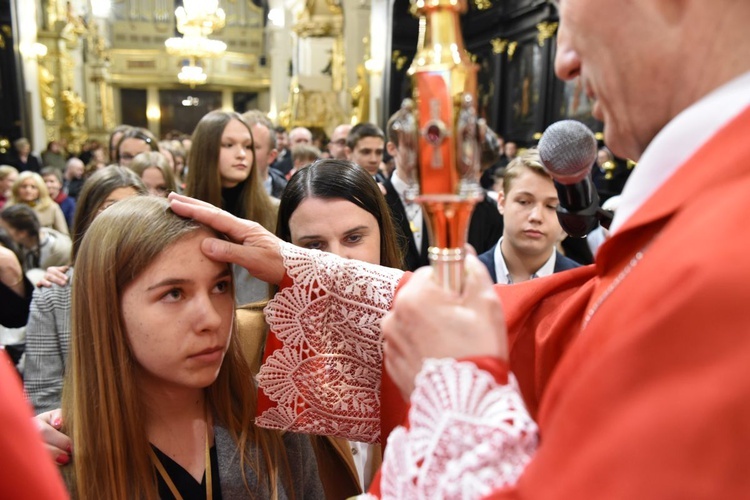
(578, 196)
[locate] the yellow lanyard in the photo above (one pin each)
(163, 473)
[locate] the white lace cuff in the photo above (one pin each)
(324, 378)
(468, 436)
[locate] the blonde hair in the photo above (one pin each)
(154, 159)
(6, 170)
(102, 406)
(528, 160)
(44, 200)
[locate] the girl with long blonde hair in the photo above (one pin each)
(158, 397)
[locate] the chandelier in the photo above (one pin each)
(196, 20)
(192, 74)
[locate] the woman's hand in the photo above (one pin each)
(54, 275)
(58, 444)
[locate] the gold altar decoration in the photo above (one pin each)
(512, 46)
(311, 108)
(320, 18)
(360, 94)
(47, 95)
(399, 59)
(499, 45)
(546, 31)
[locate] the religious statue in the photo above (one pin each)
(46, 80)
(75, 109)
(360, 94)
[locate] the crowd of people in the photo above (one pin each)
(243, 315)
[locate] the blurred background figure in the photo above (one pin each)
(337, 144)
(302, 156)
(223, 173)
(134, 140)
(8, 176)
(53, 180)
(30, 189)
(22, 158)
(73, 178)
(155, 172)
(54, 156)
(265, 149)
(40, 247)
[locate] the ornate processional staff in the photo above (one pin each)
(438, 133)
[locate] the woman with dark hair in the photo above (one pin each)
(337, 207)
(329, 191)
(222, 172)
(48, 329)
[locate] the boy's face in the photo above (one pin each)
(368, 153)
(529, 213)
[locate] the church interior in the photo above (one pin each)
(71, 71)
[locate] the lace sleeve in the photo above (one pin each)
(324, 375)
(467, 436)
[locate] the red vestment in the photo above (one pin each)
(639, 378)
(26, 469)
(636, 369)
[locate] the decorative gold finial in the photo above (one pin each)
(546, 30)
(512, 46)
(499, 45)
(399, 59)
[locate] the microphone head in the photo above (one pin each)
(568, 150)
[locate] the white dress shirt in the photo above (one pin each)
(503, 274)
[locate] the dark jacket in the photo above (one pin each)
(413, 259)
(562, 263)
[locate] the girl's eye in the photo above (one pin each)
(354, 238)
(222, 286)
(173, 295)
(314, 245)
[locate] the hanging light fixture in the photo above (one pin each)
(196, 20)
(192, 74)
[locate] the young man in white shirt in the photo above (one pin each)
(531, 230)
